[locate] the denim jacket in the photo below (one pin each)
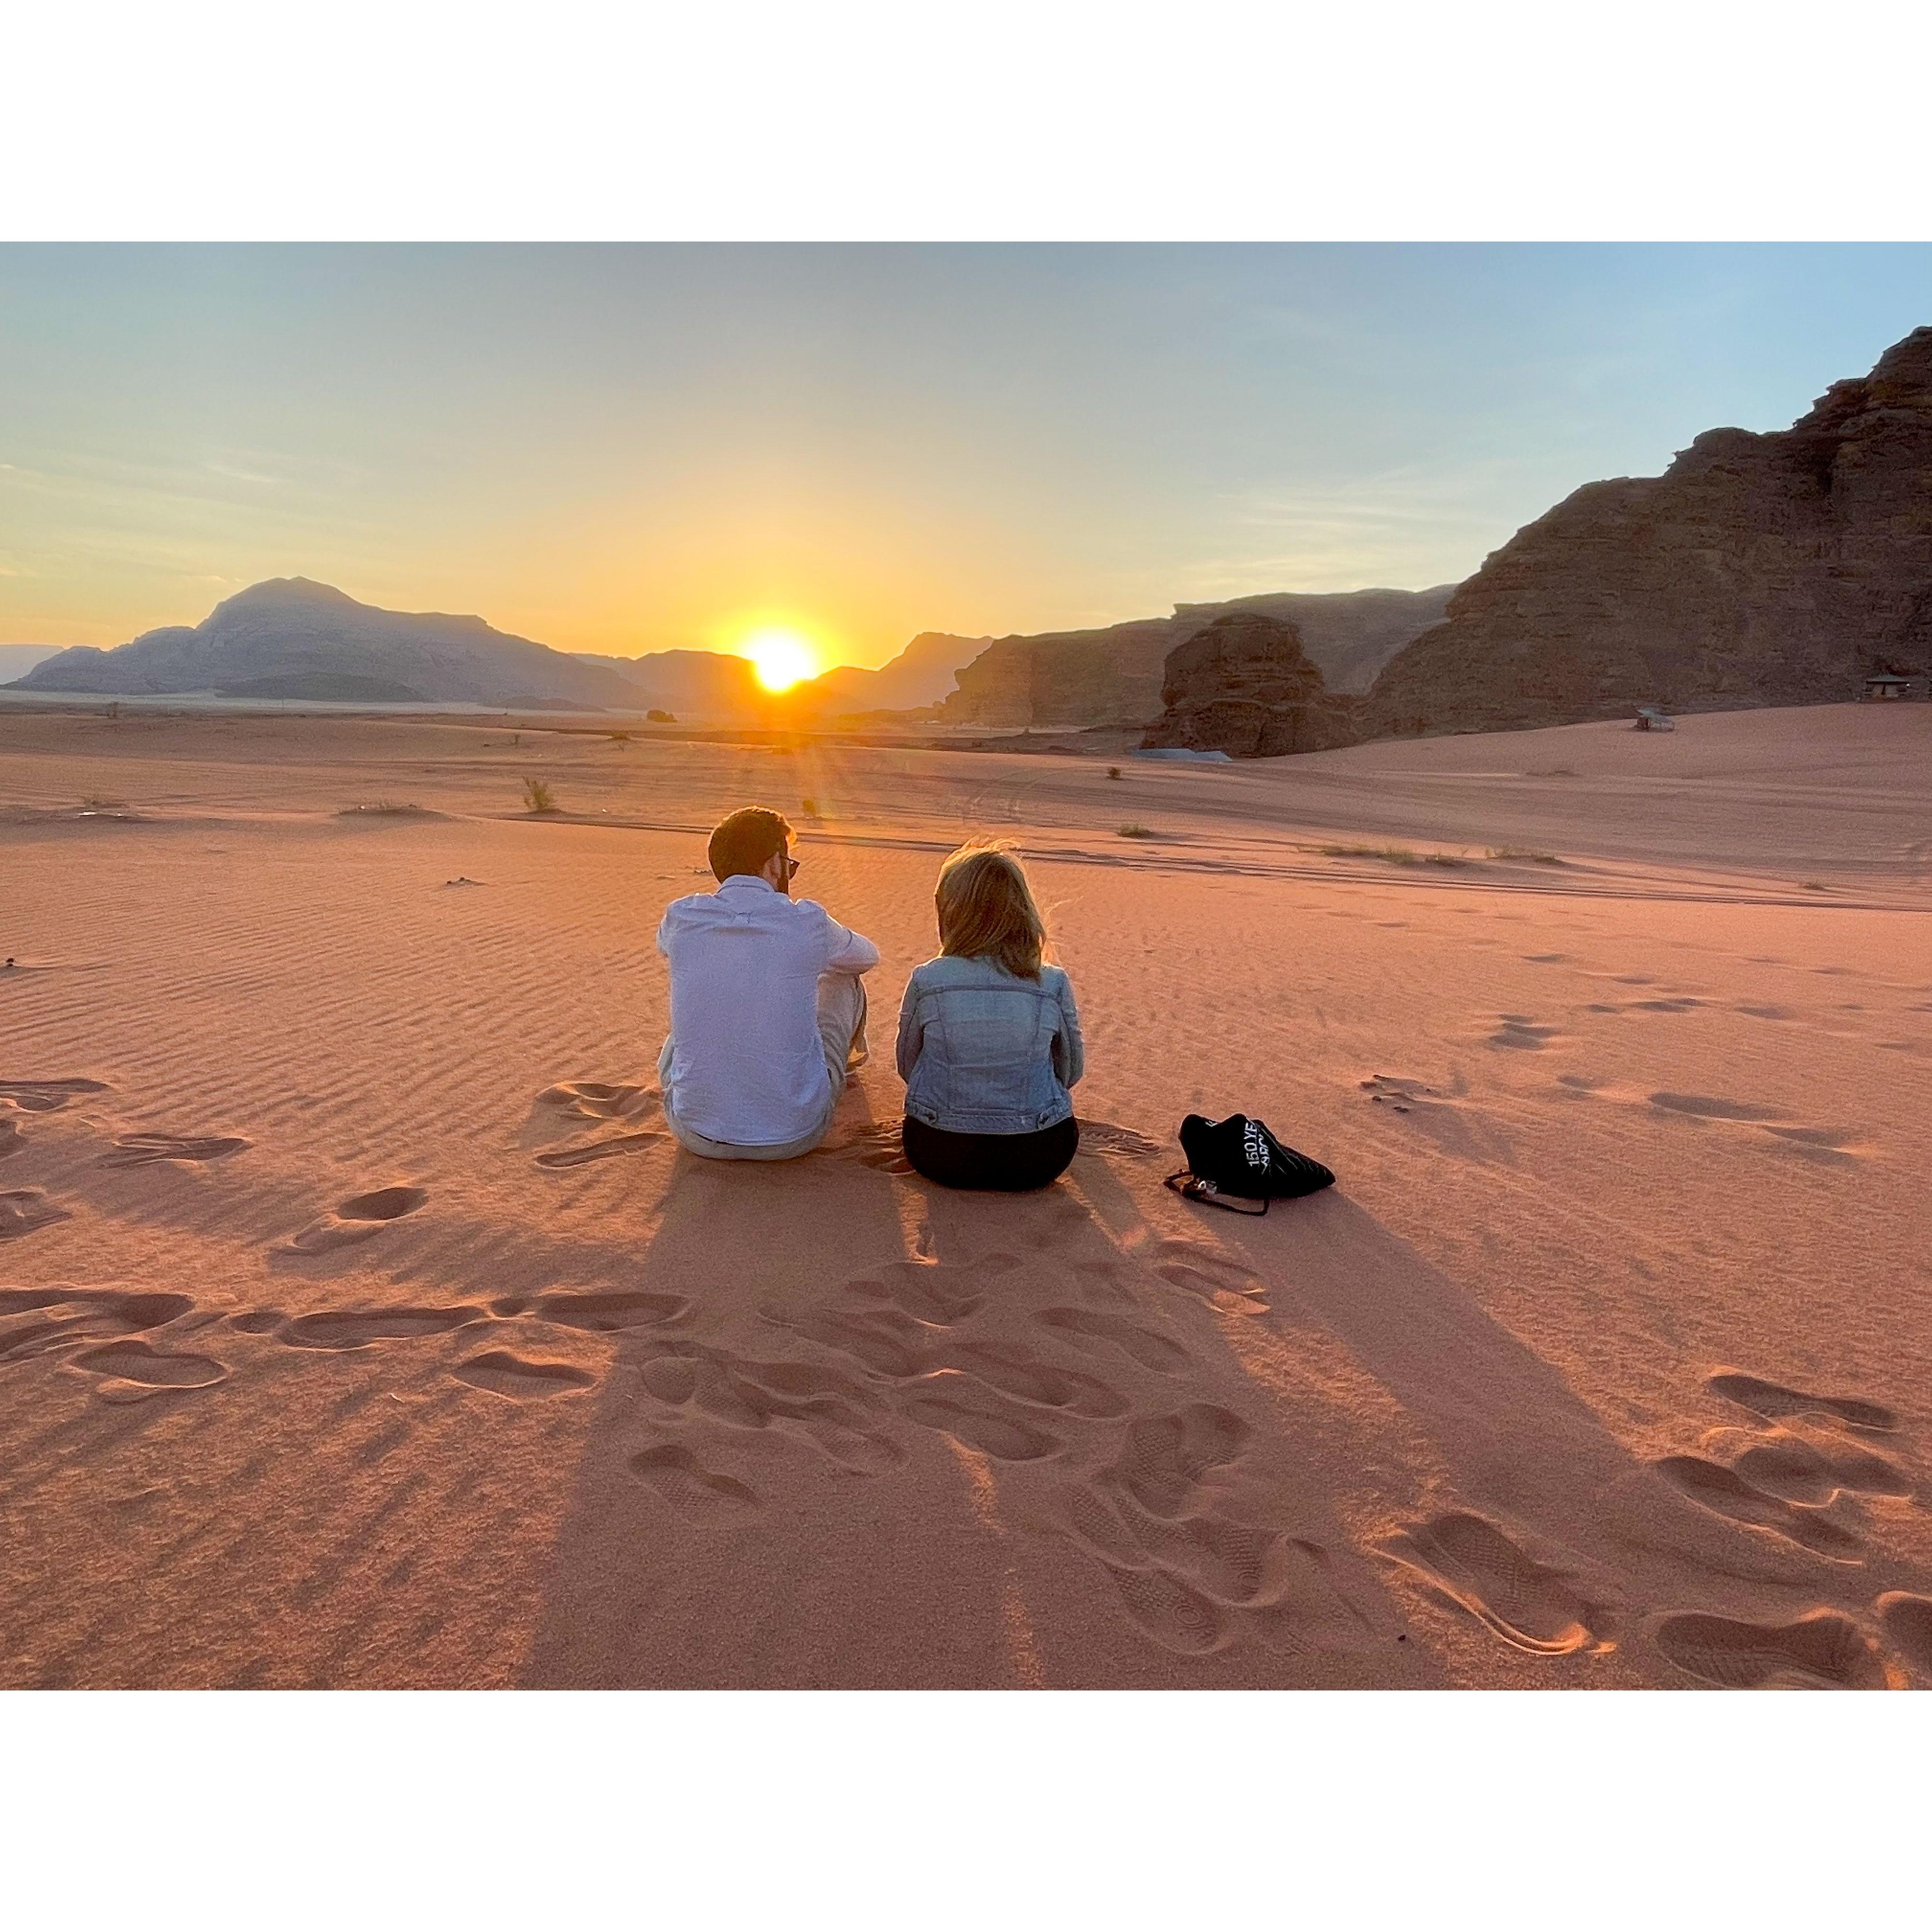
(982, 1052)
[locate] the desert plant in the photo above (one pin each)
(1113, 771)
(809, 806)
(1524, 854)
(1135, 831)
(538, 797)
(659, 717)
(620, 737)
(381, 808)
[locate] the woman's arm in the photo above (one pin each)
(911, 1032)
(1069, 1055)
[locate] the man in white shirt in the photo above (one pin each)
(767, 1005)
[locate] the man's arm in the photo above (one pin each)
(847, 951)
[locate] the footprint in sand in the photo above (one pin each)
(1812, 1470)
(24, 1209)
(588, 1150)
(1527, 1603)
(673, 1472)
(837, 1414)
(1176, 1618)
(138, 1149)
(1725, 1493)
(970, 1413)
(884, 1340)
(1775, 1401)
(1822, 1650)
(1015, 1373)
(359, 1328)
(63, 1316)
(1167, 1458)
(880, 1148)
(1906, 1620)
(43, 1097)
(1520, 1030)
(596, 1100)
(939, 1293)
(1228, 1561)
(1832, 1146)
(1226, 1286)
(147, 1370)
(1710, 1107)
(355, 1219)
(1104, 1137)
(1089, 1329)
(504, 1374)
(607, 1314)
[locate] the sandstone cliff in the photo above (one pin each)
(1113, 676)
(1245, 685)
(1776, 568)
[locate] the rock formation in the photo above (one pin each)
(289, 637)
(1113, 676)
(1778, 568)
(1246, 686)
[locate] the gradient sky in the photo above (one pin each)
(627, 449)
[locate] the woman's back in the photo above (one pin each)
(985, 1051)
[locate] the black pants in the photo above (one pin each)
(1010, 1163)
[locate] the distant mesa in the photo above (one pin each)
(1779, 568)
(1247, 686)
(1115, 675)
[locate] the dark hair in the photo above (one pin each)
(986, 910)
(746, 840)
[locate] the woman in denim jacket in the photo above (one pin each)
(989, 1039)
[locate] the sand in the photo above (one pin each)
(361, 1325)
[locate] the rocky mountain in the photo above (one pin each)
(1113, 676)
(1245, 685)
(17, 660)
(291, 637)
(923, 673)
(1772, 568)
(713, 686)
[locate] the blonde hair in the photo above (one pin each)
(986, 910)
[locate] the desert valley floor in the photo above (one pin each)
(361, 1325)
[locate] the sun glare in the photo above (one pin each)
(780, 658)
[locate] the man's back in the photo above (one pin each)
(747, 1064)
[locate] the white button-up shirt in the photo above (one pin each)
(748, 1066)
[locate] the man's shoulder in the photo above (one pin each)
(692, 903)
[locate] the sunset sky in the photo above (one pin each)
(631, 448)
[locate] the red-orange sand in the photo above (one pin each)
(360, 1325)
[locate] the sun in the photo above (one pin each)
(780, 658)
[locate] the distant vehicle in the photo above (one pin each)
(1884, 684)
(1650, 718)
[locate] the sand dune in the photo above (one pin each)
(360, 1324)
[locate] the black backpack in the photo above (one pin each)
(1238, 1163)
